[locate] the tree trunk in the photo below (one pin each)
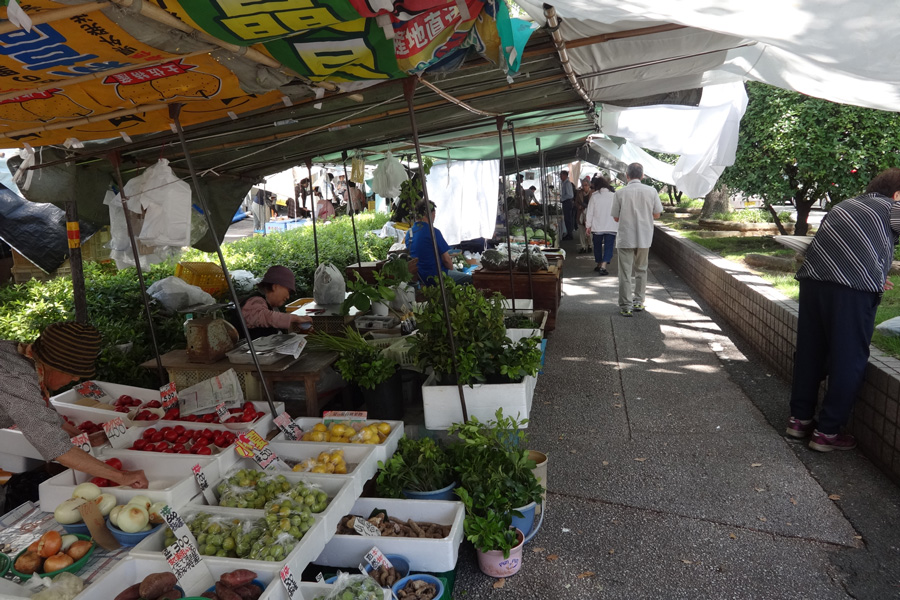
(716, 202)
(803, 208)
(778, 224)
(676, 197)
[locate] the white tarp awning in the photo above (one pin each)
(465, 196)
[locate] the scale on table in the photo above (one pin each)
(208, 334)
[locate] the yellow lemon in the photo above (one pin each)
(298, 467)
(340, 469)
(323, 457)
(318, 436)
(384, 428)
(320, 427)
(319, 469)
(329, 468)
(345, 440)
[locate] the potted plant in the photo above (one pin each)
(419, 469)
(480, 340)
(517, 360)
(396, 274)
(372, 369)
(364, 296)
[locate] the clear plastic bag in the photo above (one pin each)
(360, 587)
(177, 294)
(388, 177)
(328, 285)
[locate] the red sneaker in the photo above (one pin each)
(798, 429)
(827, 443)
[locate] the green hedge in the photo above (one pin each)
(114, 300)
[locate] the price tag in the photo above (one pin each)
(336, 416)
(168, 395)
(82, 441)
(115, 432)
(362, 568)
(290, 584)
(183, 557)
(375, 558)
(365, 528)
(320, 578)
(200, 476)
(291, 431)
(222, 412)
(90, 389)
(252, 445)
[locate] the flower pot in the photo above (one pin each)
(385, 401)
(446, 493)
(493, 564)
(380, 309)
(540, 473)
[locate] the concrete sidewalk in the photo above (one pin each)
(669, 476)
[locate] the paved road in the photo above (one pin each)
(668, 473)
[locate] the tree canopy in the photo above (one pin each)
(805, 150)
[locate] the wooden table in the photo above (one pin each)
(547, 287)
(308, 369)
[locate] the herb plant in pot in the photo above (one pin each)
(498, 545)
(419, 469)
(365, 296)
(370, 368)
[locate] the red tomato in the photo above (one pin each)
(248, 417)
(100, 481)
(201, 442)
(209, 418)
(208, 434)
(180, 429)
(162, 446)
(148, 433)
(153, 417)
(169, 451)
(166, 430)
(115, 463)
(247, 405)
(171, 435)
(172, 414)
(157, 437)
(178, 447)
(154, 404)
(122, 409)
(139, 444)
(183, 439)
(189, 418)
(205, 450)
(184, 451)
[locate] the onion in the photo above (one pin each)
(88, 491)
(79, 549)
(49, 544)
(68, 540)
(105, 502)
(57, 562)
(114, 515)
(67, 512)
(133, 518)
(28, 563)
(141, 501)
(155, 517)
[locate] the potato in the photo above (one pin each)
(131, 593)
(155, 585)
(171, 595)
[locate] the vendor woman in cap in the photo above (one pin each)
(62, 354)
(260, 310)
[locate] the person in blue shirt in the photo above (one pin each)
(418, 241)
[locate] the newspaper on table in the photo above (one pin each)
(203, 397)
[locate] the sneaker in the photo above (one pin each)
(597, 268)
(626, 312)
(602, 271)
(827, 443)
(638, 307)
(800, 429)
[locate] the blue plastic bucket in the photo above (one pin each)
(446, 493)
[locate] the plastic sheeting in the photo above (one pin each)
(388, 177)
(465, 193)
(626, 153)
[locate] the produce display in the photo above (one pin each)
(349, 433)
(140, 514)
(156, 586)
(180, 440)
(52, 553)
(326, 462)
(385, 577)
(249, 488)
(391, 527)
(67, 512)
(354, 587)
(418, 589)
(237, 585)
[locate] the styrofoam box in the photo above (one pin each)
(65, 405)
(306, 550)
(170, 477)
(442, 408)
(308, 591)
(133, 569)
(433, 556)
(340, 489)
(360, 459)
(14, 442)
(383, 451)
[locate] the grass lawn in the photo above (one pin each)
(735, 248)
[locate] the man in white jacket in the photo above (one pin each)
(634, 208)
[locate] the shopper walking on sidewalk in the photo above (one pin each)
(841, 282)
(634, 208)
(599, 223)
(567, 198)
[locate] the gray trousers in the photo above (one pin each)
(632, 265)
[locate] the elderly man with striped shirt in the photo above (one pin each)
(841, 282)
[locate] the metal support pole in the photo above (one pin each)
(116, 160)
(174, 112)
(350, 206)
(73, 233)
(315, 209)
(528, 249)
(512, 281)
(544, 193)
(409, 90)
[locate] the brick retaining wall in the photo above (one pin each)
(768, 320)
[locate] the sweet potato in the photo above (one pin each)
(173, 594)
(131, 593)
(226, 593)
(210, 595)
(249, 591)
(237, 578)
(157, 584)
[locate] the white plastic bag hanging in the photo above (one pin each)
(167, 202)
(388, 177)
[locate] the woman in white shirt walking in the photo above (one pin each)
(600, 224)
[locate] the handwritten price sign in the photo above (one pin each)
(82, 441)
(290, 584)
(291, 431)
(91, 390)
(252, 445)
(168, 395)
(200, 476)
(222, 412)
(115, 432)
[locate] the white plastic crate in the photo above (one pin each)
(383, 451)
(433, 556)
(170, 477)
(133, 569)
(340, 489)
(442, 408)
(305, 552)
(308, 591)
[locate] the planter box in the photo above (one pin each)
(132, 570)
(170, 477)
(433, 556)
(442, 409)
(538, 316)
(382, 451)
